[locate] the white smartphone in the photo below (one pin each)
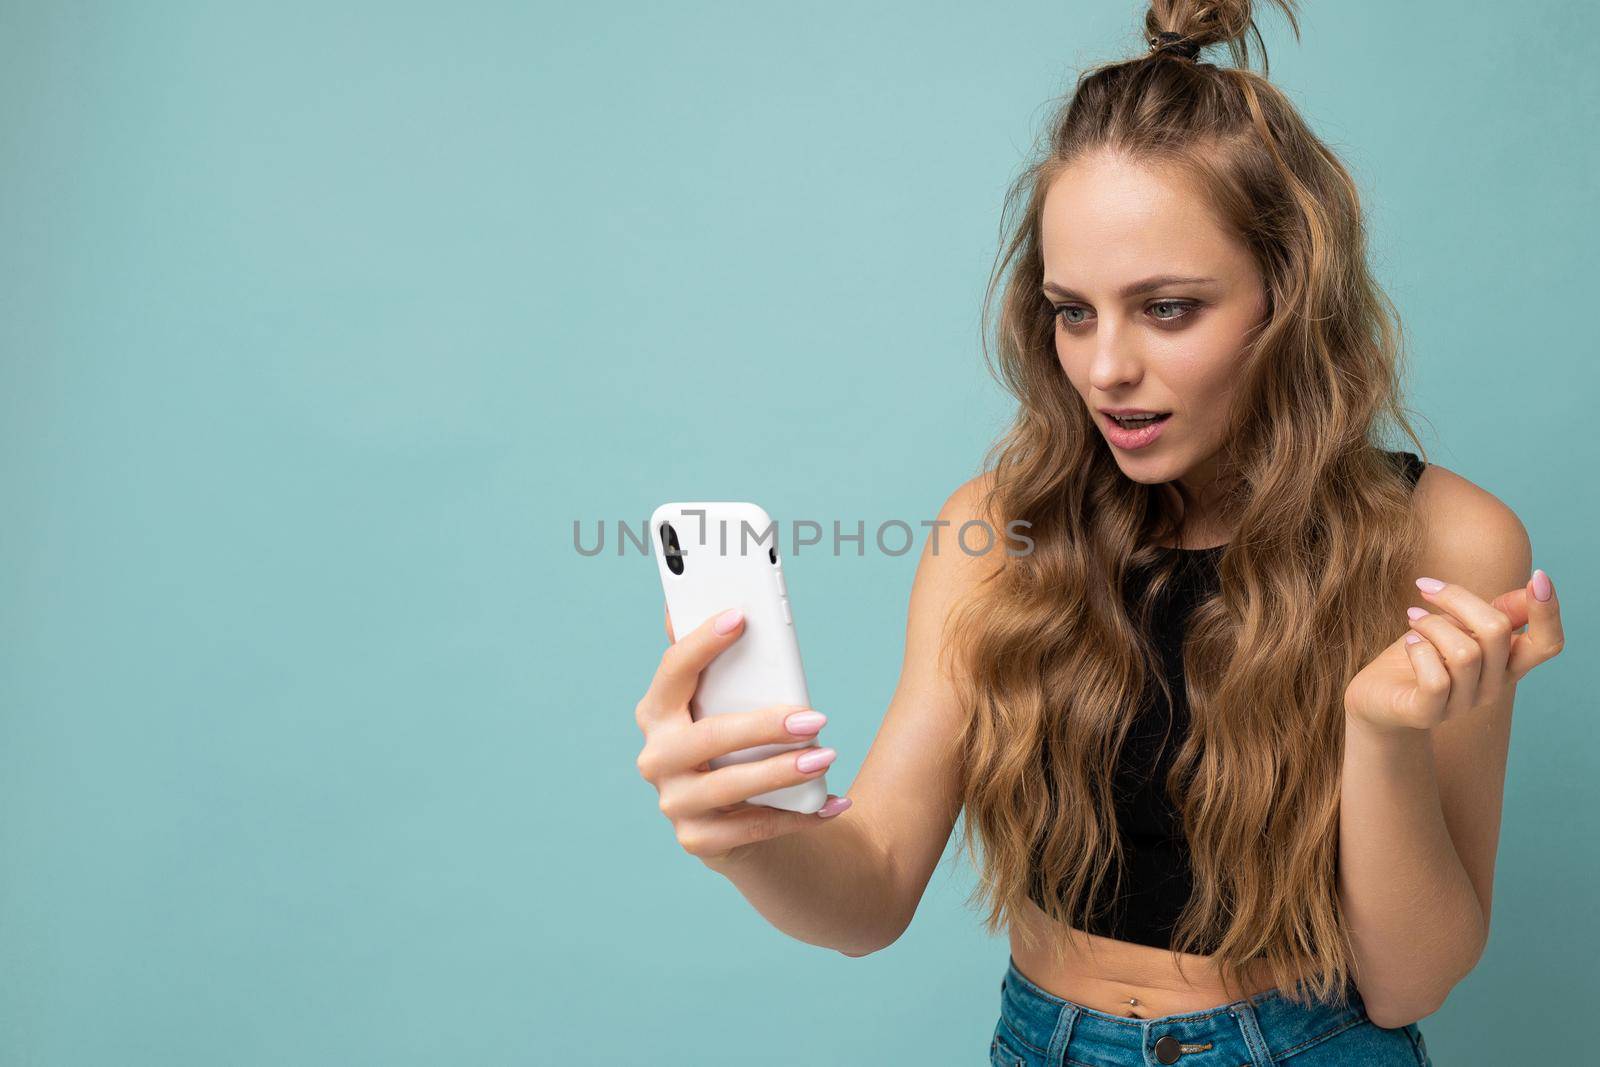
(719, 555)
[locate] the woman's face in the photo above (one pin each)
(1154, 303)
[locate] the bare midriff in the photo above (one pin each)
(1104, 974)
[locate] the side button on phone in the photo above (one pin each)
(786, 616)
(778, 577)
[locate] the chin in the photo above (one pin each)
(1146, 470)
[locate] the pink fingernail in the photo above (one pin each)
(805, 722)
(1429, 585)
(727, 621)
(814, 759)
(1416, 612)
(1413, 637)
(1541, 586)
(833, 807)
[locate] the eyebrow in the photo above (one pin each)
(1135, 289)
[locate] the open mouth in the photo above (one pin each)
(1135, 422)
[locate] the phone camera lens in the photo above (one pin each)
(670, 549)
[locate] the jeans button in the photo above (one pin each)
(1168, 1049)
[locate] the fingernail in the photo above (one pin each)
(814, 759)
(1541, 586)
(1429, 585)
(727, 620)
(833, 807)
(1413, 637)
(805, 722)
(1416, 612)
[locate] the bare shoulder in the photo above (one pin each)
(1473, 538)
(966, 542)
(970, 499)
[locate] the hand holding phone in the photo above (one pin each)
(728, 706)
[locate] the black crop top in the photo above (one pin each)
(1157, 878)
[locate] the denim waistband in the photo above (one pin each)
(1255, 1030)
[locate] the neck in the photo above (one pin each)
(1196, 492)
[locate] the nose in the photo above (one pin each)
(1116, 362)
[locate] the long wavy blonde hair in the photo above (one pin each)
(1052, 663)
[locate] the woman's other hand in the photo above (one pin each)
(1462, 656)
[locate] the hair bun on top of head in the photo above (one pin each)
(1185, 28)
(1175, 43)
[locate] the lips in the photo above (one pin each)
(1132, 437)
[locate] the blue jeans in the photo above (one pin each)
(1038, 1029)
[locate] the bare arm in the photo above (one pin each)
(1420, 808)
(1414, 918)
(854, 882)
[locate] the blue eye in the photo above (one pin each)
(1183, 307)
(1068, 309)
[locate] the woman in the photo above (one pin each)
(1234, 799)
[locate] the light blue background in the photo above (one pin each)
(323, 323)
